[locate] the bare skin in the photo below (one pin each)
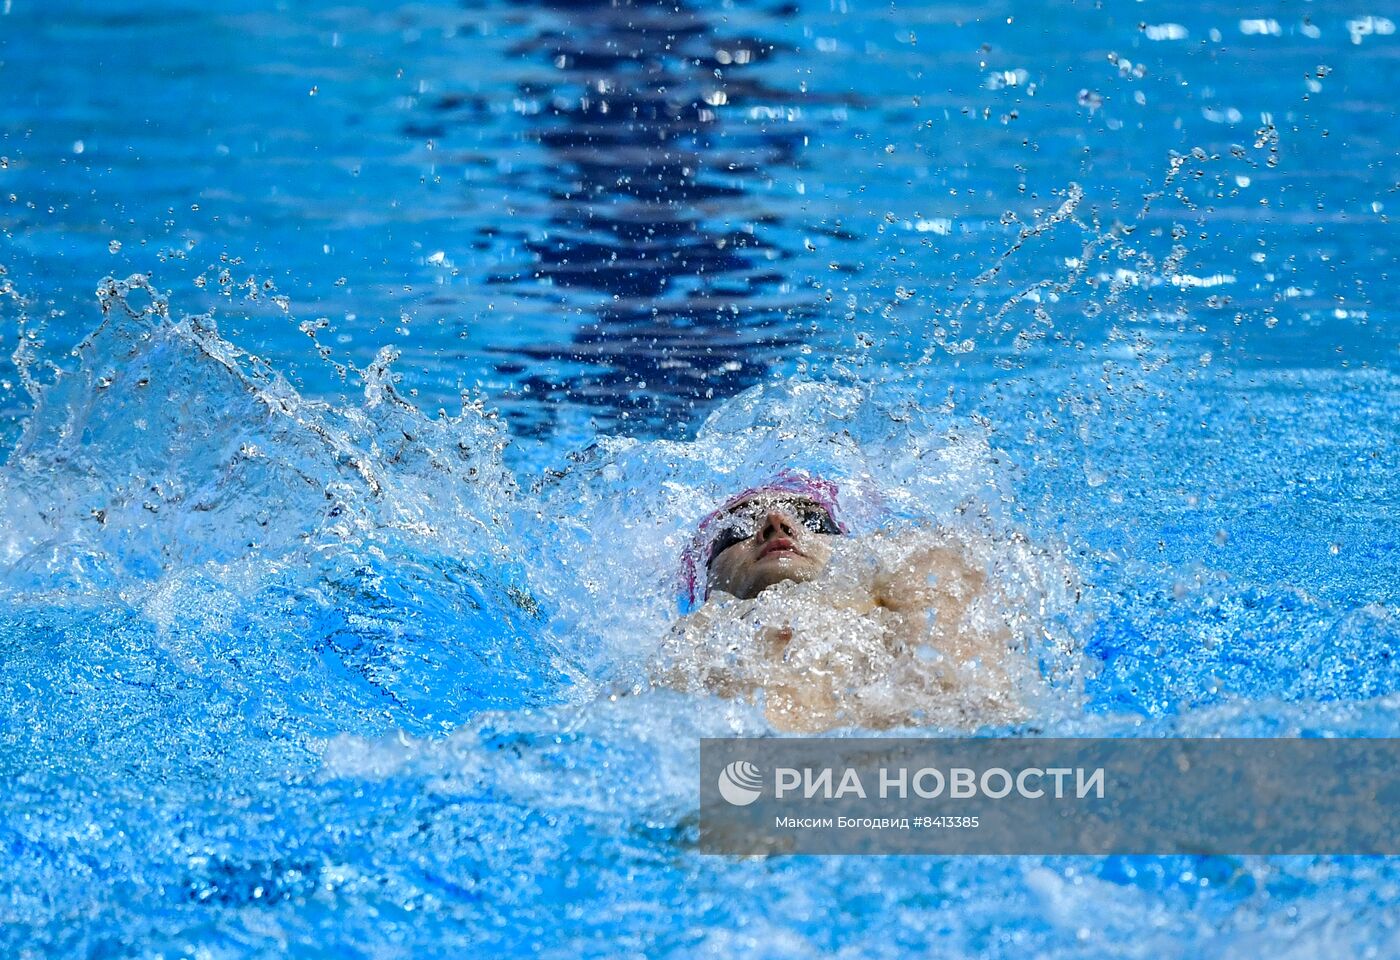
(814, 642)
(781, 548)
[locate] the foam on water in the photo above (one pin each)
(184, 525)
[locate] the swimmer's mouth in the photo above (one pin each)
(780, 546)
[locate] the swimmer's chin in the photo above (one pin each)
(787, 557)
(782, 567)
(782, 553)
(775, 567)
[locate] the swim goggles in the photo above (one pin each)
(744, 519)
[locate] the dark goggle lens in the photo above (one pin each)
(735, 531)
(815, 518)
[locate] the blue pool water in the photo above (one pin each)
(332, 554)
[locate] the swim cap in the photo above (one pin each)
(694, 581)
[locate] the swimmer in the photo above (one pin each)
(828, 629)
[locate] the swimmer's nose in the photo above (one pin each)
(776, 523)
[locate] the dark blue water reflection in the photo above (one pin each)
(656, 222)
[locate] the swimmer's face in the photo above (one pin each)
(769, 538)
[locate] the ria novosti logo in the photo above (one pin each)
(740, 783)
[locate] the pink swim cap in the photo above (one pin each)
(694, 581)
